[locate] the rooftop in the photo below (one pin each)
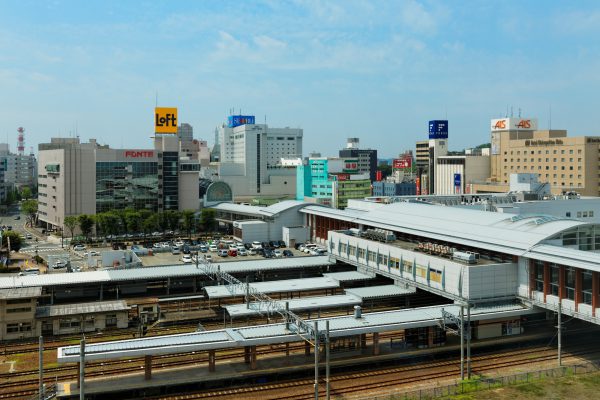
(479, 229)
(20, 293)
(307, 303)
(276, 333)
(374, 292)
(181, 270)
(284, 286)
(81, 308)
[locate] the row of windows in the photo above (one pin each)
(540, 160)
(18, 327)
(18, 310)
(539, 167)
(540, 152)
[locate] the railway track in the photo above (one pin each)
(368, 381)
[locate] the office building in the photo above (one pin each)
(20, 170)
(185, 132)
(331, 181)
(250, 158)
(367, 158)
(565, 163)
(385, 188)
(87, 178)
(457, 174)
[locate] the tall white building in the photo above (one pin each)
(250, 158)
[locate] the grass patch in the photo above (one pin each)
(534, 389)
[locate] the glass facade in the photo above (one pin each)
(170, 180)
(121, 185)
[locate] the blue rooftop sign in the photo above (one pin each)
(438, 129)
(237, 120)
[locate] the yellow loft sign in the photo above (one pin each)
(165, 120)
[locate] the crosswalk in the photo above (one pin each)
(31, 250)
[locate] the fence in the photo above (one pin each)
(483, 383)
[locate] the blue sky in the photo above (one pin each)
(378, 70)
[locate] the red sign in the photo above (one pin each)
(379, 176)
(418, 184)
(139, 154)
(401, 163)
(524, 123)
(500, 124)
(351, 165)
(343, 177)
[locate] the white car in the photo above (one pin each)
(179, 243)
(187, 259)
(277, 253)
(91, 253)
(242, 252)
(208, 257)
(256, 245)
(233, 247)
(156, 245)
(252, 252)
(79, 247)
(213, 248)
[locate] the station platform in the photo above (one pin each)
(276, 333)
(278, 363)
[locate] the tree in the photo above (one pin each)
(26, 192)
(188, 222)
(133, 221)
(86, 224)
(15, 240)
(150, 223)
(30, 208)
(71, 222)
(173, 218)
(207, 216)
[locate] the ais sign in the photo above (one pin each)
(165, 120)
(438, 129)
(514, 124)
(237, 120)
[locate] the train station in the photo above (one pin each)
(397, 278)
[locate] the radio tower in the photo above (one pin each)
(21, 141)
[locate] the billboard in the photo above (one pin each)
(165, 120)
(514, 124)
(350, 166)
(457, 183)
(438, 129)
(237, 120)
(401, 163)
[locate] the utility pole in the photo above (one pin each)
(327, 388)
(462, 343)
(316, 360)
(82, 370)
(559, 332)
(468, 341)
(41, 368)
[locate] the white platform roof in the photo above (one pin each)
(373, 292)
(276, 333)
(563, 255)
(307, 303)
(348, 276)
(487, 230)
(81, 308)
(284, 286)
(173, 271)
(259, 211)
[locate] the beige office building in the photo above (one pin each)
(565, 163)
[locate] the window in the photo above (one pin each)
(568, 214)
(539, 275)
(554, 273)
(578, 214)
(570, 283)
(18, 310)
(586, 287)
(18, 327)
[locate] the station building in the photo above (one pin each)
(532, 259)
(87, 178)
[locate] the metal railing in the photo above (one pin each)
(262, 302)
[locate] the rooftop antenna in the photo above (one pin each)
(511, 111)
(506, 115)
(519, 112)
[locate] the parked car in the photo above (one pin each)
(28, 236)
(79, 247)
(247, 246)
(268, 253)
(232, 247)
(59, 264)
(256, 245)
(240, 247)
(274, 244)
(213, 248)
(265, 245)
(281, 244)
(203, 249)
(156, 245)
(208, 257)
(277, 253)
(186, 258)
(297, 246)
(222, 253)
(92, 253)
(30, 271)
(233, 252)
(252, 252)
(186, 249)
(175, 250)
(288, 253)
(242, 252)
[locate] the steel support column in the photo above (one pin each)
(148, 367)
